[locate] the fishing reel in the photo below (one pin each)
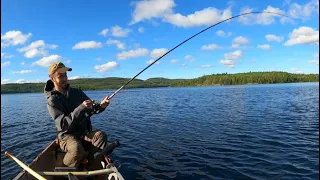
(95, 108)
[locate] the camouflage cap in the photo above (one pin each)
(58, 67)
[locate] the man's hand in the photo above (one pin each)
(88, 103)
(105, 102)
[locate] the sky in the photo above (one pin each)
(101, 38)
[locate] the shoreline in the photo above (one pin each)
(167, 87)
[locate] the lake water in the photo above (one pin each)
(223, 132)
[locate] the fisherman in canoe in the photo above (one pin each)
(71, 109)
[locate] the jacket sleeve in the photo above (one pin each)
(65, 122)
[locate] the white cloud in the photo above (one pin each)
(78, 77)
(222, 33)
(118, 43)
(22, 63)
(233, 55)
(22, 72)
(13, 38)
(67, 61)
(239, 41)
(210, 47)
(316, 55)
(47, 61)
(156, 53)
(264, 19)
(296, 70)
(298, 11)
(106, 67)
(5, 64)
(38, 81)
(189, 58)
(99, 59)
(267, 19)
(174, 61)
(20, 81)
(141, 29)
(5, 81)
(207, 16)
(229, 63)
(37, 48)
(148, 9)
(264, 46)
(132, 53)
(286, 2)
(117, 31)
(246, 18)
(230, 58)
(6, 55)
(151, 61)
(35, 52)
(206, 66)
(271, 37)
(303, 35)
(104, 32)
(74, 77)
(51, 46)
(163, 9)
(184, 65)
(314, 62)
(87, 45)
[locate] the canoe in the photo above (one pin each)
(49, 165)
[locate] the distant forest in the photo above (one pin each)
(207, 80)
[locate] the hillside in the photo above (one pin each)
(207, 80)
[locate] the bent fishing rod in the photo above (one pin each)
(243, 14)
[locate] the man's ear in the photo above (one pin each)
(52, 79)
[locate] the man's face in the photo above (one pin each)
(60, 79)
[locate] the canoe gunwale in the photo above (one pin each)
(23, 172)
(77, 173)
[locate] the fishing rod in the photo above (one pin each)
(243, 14)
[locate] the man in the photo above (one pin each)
(71, 109)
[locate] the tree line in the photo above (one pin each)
(248, 78)
(207, 80)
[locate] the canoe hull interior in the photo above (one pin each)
(47, 161)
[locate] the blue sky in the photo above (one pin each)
(119, 38)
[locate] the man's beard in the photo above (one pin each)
(64, 84)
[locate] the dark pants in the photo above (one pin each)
(77, 149)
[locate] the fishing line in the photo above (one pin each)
(243, 14)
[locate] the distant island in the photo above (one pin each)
(207, 80)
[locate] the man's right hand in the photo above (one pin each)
(88, 103)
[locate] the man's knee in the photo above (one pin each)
(75, 152)
(74, 156)
(76, 149)
(100, 136)
(100, 139)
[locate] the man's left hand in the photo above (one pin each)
(105, 102)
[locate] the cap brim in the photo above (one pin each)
(64, 69)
